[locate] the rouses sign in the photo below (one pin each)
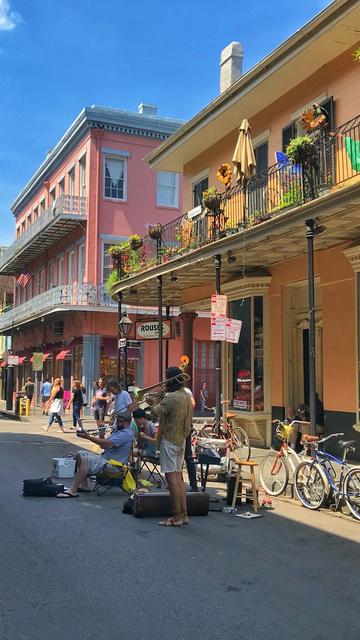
(149, 330)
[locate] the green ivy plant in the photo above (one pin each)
(301, 150)
(111, 281)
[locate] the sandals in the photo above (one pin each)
(171, 522)
(66, 494)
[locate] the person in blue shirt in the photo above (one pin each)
(117, 446)
(122, 398)
(147, 431)
(45, 395)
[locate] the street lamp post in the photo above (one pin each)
(312, 230)
(125, 325)
(217, 264)
(117, 259)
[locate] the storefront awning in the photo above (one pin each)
(62, 355)
(21, 360)
(3, 364)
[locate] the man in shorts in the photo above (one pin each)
(117, 446)
(175, 419)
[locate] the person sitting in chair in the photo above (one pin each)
(117, 446)
(147, 434)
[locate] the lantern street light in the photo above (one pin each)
(125, 325)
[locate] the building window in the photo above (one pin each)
(42, 281)
(81, 263)
(107, 262)
(167, 189)
(52, 196)
(62, 187)
(61, 271)
(198, 189)
(72, 181)
(115, 178)
(36, 213)
(82, 166)
(42, 207)
(28, 221)
(23, 227)
(18, 232)
(51, 275)
(70, 274)
(248, 355)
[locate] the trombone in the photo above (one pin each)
(143, 395)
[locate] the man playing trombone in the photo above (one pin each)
(175, 420)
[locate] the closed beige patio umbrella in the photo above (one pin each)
(244, 157)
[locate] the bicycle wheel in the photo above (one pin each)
(274, 474)
(207, 431)
(239, 443)
(351, 488)
(311, 485)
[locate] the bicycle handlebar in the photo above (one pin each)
(332, 435)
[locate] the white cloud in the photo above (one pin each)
(8, 19)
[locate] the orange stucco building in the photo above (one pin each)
(260, 231)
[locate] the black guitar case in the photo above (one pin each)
(157, 503)
(42, 488)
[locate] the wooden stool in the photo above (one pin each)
(251, 465)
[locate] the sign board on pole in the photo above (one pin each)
(149, 330)
(218, 328)
(134, 344)
(38, 360)
(218, 305)
(14, 360)
(121, 343)
(232, 330)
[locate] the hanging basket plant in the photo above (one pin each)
(155, 231)
(302, 150)
(135, 242)
(211, 199)
(111, 281)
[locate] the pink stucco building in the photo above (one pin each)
(91, 191)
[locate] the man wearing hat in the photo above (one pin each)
(175, 420)
(117, 446)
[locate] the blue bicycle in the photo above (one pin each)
(316, 479)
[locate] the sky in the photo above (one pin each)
(57, 56)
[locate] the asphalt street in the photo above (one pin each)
(81, 569)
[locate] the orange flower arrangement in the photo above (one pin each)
(224, 174)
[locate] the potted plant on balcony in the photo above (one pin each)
(211, 199)
(155, 231)
(111, 281)
(302, 150)
(135, 242)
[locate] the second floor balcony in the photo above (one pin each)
(272, 197)
(66, 213)
(84, 297)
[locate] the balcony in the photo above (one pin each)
(83, 297)
(59, 220)
(273, 195)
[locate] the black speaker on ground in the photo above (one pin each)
(157, 503)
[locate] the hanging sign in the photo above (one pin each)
(232, 330)
(149, 329)
(38, 359)
(218, 326)
(121, 343)
(218, 305)
(14, 360)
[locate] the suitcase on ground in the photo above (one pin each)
(41, 488)
(157, 504)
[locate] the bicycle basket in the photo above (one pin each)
(283, 432)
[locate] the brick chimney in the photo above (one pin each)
(231, 61)
(147, 109)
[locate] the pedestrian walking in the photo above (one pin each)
(100, 403)
(77, 402)
(29, 389)
(55, 405)
(203, 396)
(45, 395)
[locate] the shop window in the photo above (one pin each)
(248, 355)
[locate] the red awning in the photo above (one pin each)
(45, 357)
(62, 355)
(3, 364)
(21, 360)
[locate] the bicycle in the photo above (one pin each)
(224, 435)
(277, 466)
(315, 480)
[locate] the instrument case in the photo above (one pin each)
(157, 503)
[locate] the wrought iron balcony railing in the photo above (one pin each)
(282, 187)
(63, 296)
(57, 220)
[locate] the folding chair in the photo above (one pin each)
(105, 480)
(151, 464)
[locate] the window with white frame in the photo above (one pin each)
(51, 275)
(72, 181)
(107, 262)
(36, 213)
(115, 170)
(167, 189)
(198, 187)
(70, 273)
(61, 271)
(28, 221)
(42, 281)
(81, 263)
(61, 187)
(82, 167)
(52, 196)
(42, 206)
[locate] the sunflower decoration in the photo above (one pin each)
(224, 174)
(356, 54)
(313, 118)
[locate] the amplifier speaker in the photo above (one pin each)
(157, 503)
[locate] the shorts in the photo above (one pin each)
(96, 463)
(45, 399)
(171, 456)
(99, 413)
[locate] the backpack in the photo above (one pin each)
(42, 488)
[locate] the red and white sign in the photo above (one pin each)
(14, 360)
(232, 330)
(218, 305)
(218, 326)
(149, 329)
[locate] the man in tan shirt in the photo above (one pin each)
(175, 420)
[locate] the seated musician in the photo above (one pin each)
(117, 446)
(146, 434)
